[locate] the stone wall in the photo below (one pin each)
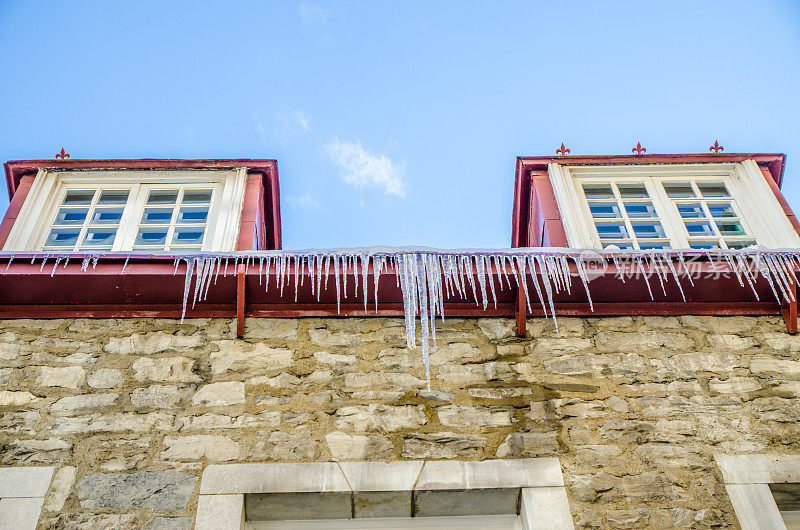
(131, 410)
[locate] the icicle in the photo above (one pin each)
(124, 265)
(377, 267)
(52, 272)
(10, 259)
(336, 278)
(546, 281)
(480, 267)
(186, 284)
(584, 279)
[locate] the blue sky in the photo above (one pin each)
(398, 122)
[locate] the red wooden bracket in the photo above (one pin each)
(789, 308)
(240, 300)
(520, 311)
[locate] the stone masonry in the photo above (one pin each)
(131, 410)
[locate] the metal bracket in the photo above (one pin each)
(789, 307)
(240, 300)
(520, 311)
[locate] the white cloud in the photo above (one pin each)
(361, 168)
(303, 201)
(291, 123)
(313, 14)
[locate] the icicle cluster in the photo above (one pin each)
(427, 277)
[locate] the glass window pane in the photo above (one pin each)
(113, 197)
(632, 190)
(739, 244)
(106, 216)
(714, 189)
(187, 236)
(731, 229)
(162, 197)
(692, 210)
(99, 236)
(679, 190)
(598, 191)
(62, 237)
(703, 246)
(151, 236)
(157, 216)
(76, 198)
(722, 210)
(604, 210)
(654, 245)
(612, 230)
(620, 245)
(640, 209)
(196, 196)
(648, 230)
(71, 216)
(699, 229)
(193, 215)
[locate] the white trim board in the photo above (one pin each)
(22, 491)
(536, 483)
(747, 479)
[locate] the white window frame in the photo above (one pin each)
(747, 479)
(543, 497)
(22, 491)
(50, 187)
(761, 213)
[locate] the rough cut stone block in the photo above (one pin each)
(270, 328)
(86, 402)
(345, 446)
(238, 356)
(150, 343)
(165, 370)
(152, 490)
(156, 396)
(20, 398)
(170, 523)
(498, 328)
(105, 378)
(284, 446)
(384, 418)
(443, 445)
(68, 377)
(473, 416)
(196, 447)
(529, 444)
(220, 394)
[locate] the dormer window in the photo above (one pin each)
(148, 211)
(697, 206)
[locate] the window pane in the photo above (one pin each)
(62, 237)
(193, 215)
(640, 209)
(157, 215)
(76, 198)
(731, 229)
(196, 196)
(604, 210)
(699, 229)
(598, 191)
(162, 197)
(715, 189)
(632, 190)
(722, 210)
(620, 245)
(612, 230)
(648, 230)
(151, 236)
(107, 216)
(99, 236)
(654, 245)
(692, 210)
(679, 190)
(703, 246)
(71, 216)
(113, 197)
(187, 236)
(739, 244)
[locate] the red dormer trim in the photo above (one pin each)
(536, 220)
(260, 227)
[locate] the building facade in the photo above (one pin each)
(138, 390)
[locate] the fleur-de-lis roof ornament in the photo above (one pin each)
(716, 148)
(563, 150)
(62, 155)
(638, 149)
